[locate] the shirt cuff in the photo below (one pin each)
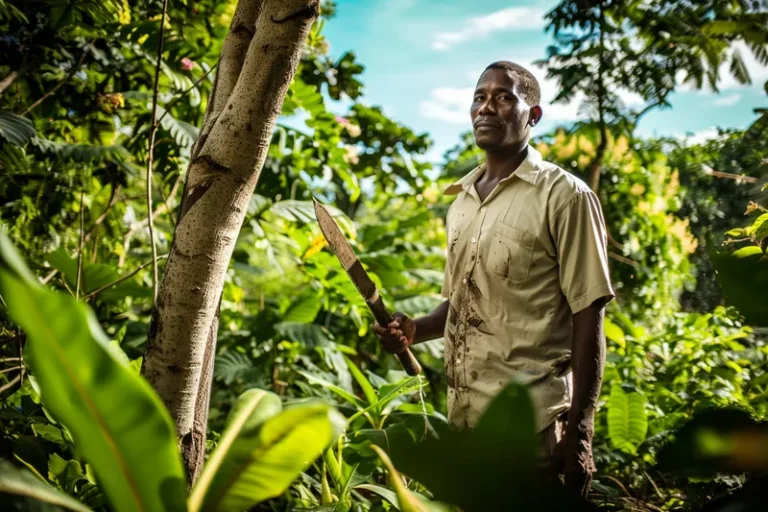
(602, 290)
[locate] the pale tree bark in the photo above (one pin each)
(258, 61)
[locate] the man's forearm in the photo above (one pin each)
(587, 361)
(431, 326)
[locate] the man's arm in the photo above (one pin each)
(587, 361)
(431, 326)
(404, 332)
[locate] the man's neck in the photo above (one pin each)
(501, 164)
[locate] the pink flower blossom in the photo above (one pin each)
(187, 64)
(343, 121)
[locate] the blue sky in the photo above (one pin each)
(423, 58)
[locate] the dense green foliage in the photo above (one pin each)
(74, 124)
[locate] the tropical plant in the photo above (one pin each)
(129, 442)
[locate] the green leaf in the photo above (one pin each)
(303, 310)
(346, 395)
(406, 501)
(182, 132)
(388, 393)
(304, 211)
(66, 473)
(310, 335)
(231, 366)
(12, 262)
(23, 483)
(614, 333)
(116, 420)
(743, 276)
(759, 228)
(739, 69)
(258, 459)
(385, 493)
(82, 153)
(250, 410)
(15, 129)
(365, 385)
(627, 419)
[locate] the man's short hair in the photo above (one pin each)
(528, 87)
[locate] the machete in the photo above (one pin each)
(360, 277)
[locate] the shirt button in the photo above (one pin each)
(474, 239)
(464, 280)
(458, 361)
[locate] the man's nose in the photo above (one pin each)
(487, 108)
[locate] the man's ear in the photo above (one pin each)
(535, 115)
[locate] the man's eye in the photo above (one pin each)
(505, 97)
(478, 98)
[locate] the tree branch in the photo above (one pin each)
(123, 278)
(10, 384)
(80, 247)
(112, 201)
(7, 81)
(63, 80)
(150, 159)
(160, 209)
(183, 94)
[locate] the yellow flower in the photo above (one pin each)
(543, 148)
(586, 146)
(679, 229)
(620, 148)
(315, 247)
(431, 193)
(637, 189)
(566, 151)
(673, 186)
(124, 16)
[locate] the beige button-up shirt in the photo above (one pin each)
(519, 265)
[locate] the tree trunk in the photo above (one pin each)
(258, 62)
(596, 165)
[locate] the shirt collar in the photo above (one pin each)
(528, 171)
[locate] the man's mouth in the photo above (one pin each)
(486, 125)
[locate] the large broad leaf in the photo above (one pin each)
(15, 129)
(627, 419)
(258, 459)
(20, 482)
(303, 310)
(117, 421)
(251, 410)
(743, 276)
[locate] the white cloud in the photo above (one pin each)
(527, 18)
(450, 104)
(727, 101)
(630, 99)
(698, 137)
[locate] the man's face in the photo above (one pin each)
(499, 114)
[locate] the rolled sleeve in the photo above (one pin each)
(580, 239)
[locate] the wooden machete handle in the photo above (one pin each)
(407, 359)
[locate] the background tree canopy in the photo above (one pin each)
(299, 378)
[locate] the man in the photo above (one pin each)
(526, 281)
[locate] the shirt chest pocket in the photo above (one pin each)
(510, 253)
